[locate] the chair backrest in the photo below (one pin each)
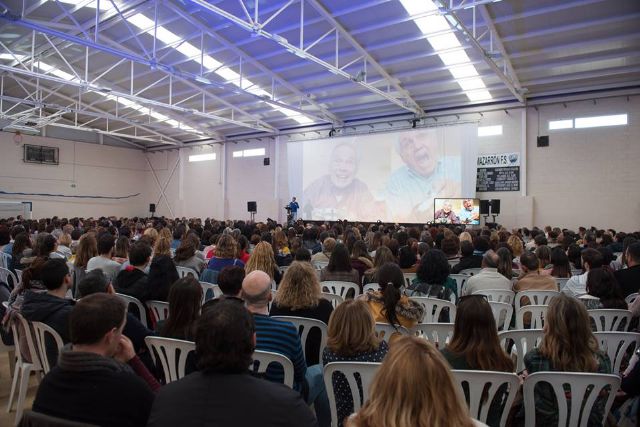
(41, 331)
(159, 310)
(8, 277)
(562, 282)
(25, 334)
(335, 300)
(460, 279)
(262, 360)
(283, 268)
(304, 326)
(19, 274)
(340, 288)
(136, 302)
(607, 320)
(433, 308)
(185, 271)
(172, 354)
(359, 375)
(408, 278)
(584, 389)
(319, 265)
(534, 297)
(480, 389)
(370, 287)
(629, 299)
(209, 291)
(616, 344)
(385, 331)
(503, 313)
(471, 271)
(518, 342)
(5, 259)
(497, 295)
(438, 333)
(536, 316)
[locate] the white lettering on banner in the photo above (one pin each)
(499, 160)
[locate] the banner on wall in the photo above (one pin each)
(498, 172)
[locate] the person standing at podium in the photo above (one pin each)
(293, 206)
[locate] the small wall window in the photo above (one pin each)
(599, 121)
(560, 124)
(489, 130)
(202, 157)
(253, 152)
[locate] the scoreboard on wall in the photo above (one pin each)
(498, 172)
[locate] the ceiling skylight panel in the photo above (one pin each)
(471, 84)
(432, 24)
(462, 71)
(416, 7)
(478, 95)
(444, 41)
(454, 57)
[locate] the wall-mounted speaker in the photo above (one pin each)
(543, 141)
(266, 161)
(252, 207)
(152, 207)
(484, 207)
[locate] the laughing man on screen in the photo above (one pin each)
(339, 194)
(426, 175)
(468, 213)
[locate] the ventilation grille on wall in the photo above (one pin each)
(41, 154)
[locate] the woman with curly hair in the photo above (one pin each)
(383, 256)
(262, 259)
(299, 295)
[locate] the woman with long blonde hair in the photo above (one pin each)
(262, 259)
(152, 235)
(299, 295)
(568, 345)
(413, 368)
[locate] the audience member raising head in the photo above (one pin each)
(413, 367)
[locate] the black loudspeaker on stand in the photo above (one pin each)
(490, 207)
(152, 208)
(252, 208)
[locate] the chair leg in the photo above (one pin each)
(16, 374)
(22, 394)
(12, 361)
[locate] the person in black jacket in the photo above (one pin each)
(629, 278)
(95, 380)
(132, 280)
(222, 392)
(468, 259)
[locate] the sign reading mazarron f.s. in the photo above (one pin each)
(498, 172)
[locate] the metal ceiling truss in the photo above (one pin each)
(254, 25)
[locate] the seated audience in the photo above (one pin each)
(505, 262)
(407, 260)
(516, 246)
(574, 253)
(103, 260)
(383, 255)
(302, 254)
(21, 248)
(577, 285)
(132, 280)
(63, 248)
(488, 278)
(225, 255)
(560, 266)
(543, 253)
(186, 254)
(243, 249)
(94, 381)
(360, 259)
(339, 267)
(468, 259)
(225, 341)
(532, 278)
(432, 278)
(327, 247)
(568, 345)
(162, 275)
(413, 367)
(121, 251)
(351, 338)
(388, 305)
(86, 249)
(629, 278)
(185, 301)
(230, 281)
(310, 240)
(299, 295)
(262, 259)
(450, 245)
(603, 290)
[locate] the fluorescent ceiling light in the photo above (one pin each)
(478, 95)
(560, 124)
(490, 130)
(599, 121)
(202, 157)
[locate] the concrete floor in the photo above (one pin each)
(7, 419)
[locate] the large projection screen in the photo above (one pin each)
(392, 177)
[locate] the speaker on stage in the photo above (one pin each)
(252, 207)
(484, 207)
(495, 207)
(152, 207)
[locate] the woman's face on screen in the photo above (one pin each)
(420, 153)
(343, 166)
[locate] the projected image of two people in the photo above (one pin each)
(388, 177)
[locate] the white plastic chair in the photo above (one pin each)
(359, 375)
(471, 271)
(535, 298)
(262, 360)
(5, 260)
(460, 279)
(408, 278)
(480, 388)
(340, 288)
(40, 333)
(537, 313)
(385, 331)
(497, 295)
(209, 291)
(438, 333)
(433, 308)
(11, 353)
(319, 265)
(19, 275)
(23, 368)
(562, 282)
(616, 345)
(159, 310)
(5, 274)
(609, 320)
(185, 271)
(370, 287)
(581, 403)
(304, 326)
(172, 354)
(283, 269)
(503, 313)
(629, 299)
(136, 302)
(335, 300)
(523, 341)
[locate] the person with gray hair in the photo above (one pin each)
(488, 278)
